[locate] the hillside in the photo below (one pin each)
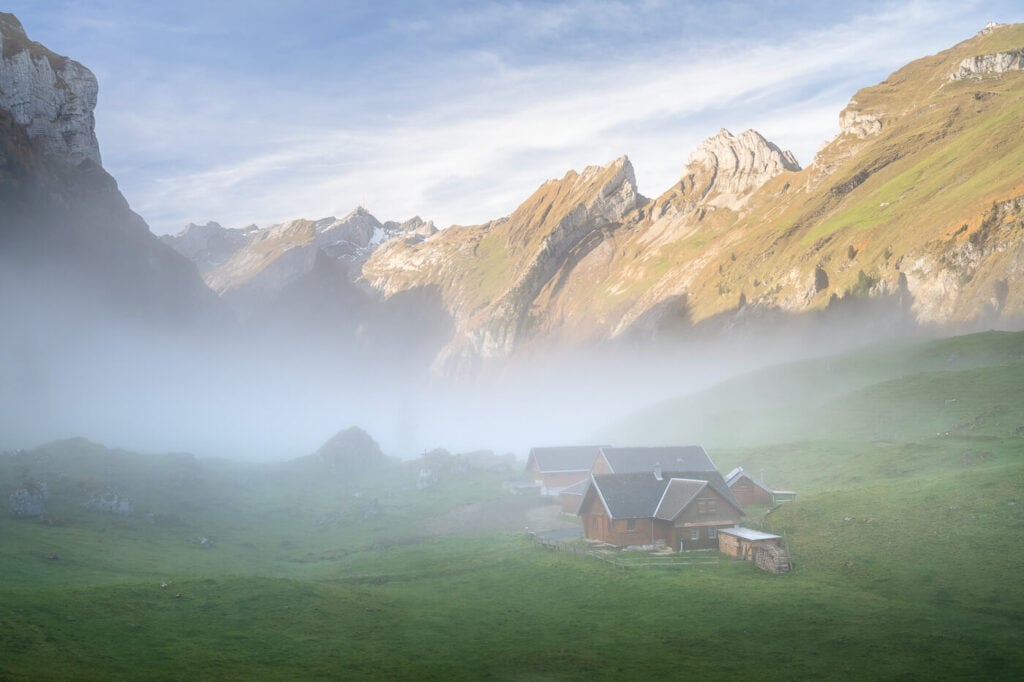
(916, 205)
(903, 564)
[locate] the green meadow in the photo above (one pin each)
(906, 537)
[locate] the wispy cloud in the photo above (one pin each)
(460, 115)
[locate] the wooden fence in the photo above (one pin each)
(770, 558)
(673, 560)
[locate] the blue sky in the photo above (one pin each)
(257, 112)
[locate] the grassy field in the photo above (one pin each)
(905, 536)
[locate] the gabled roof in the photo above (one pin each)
(630, 496)
(714, 480)
(678, 494)
(564, 458)
(738, 473)
(643, 495)
(672, 458)
(576, 488)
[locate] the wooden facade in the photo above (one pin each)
(749, 492)
(571, 497)
(646, 509)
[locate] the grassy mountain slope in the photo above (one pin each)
(905, 551)
(919, 202)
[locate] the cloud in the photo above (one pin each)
(461, 137)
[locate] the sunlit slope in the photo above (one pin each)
(917, 204)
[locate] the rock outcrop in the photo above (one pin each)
(988, 65)
(725, 168)
(52, 96)
(67, 232)
(858, 123)
(110, 503)
(209, 246)
(29, 500)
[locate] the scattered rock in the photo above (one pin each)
(373, 511)
(427, 479)
(30, 500)
(110, 503)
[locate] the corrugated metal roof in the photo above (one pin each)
(748, 533)
(565, 458)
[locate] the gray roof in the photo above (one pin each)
(738, 473)
(576, 488)
(564, 458)
(630, 496)
(679, 493)
(672, 458)
(714, 480)
(642, 495)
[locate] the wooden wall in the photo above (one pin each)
(748, 493)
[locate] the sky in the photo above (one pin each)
(261, 111)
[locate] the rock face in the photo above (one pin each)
(857, 123)
(889, 213)
(209, 246)
(29, 500)
(989, 64)
(490, 275)
(53, 97)
(67, 232)
(725, 168)
(254, 266)
(110, 503)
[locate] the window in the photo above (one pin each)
(712, 533)
(695, 533)
(630, 525)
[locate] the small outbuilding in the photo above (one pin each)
(743, 543)
(749, 491)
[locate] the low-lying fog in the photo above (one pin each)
(66, 371)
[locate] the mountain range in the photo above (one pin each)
(916, 206)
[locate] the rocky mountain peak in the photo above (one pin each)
(52, 96)
(211, 245)
(726, 167)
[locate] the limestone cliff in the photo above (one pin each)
(67, 235)
(52, 96)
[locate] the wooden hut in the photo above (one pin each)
(743, 543)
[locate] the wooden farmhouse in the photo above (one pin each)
(683, 511)
(556, 468)
(749, 491)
